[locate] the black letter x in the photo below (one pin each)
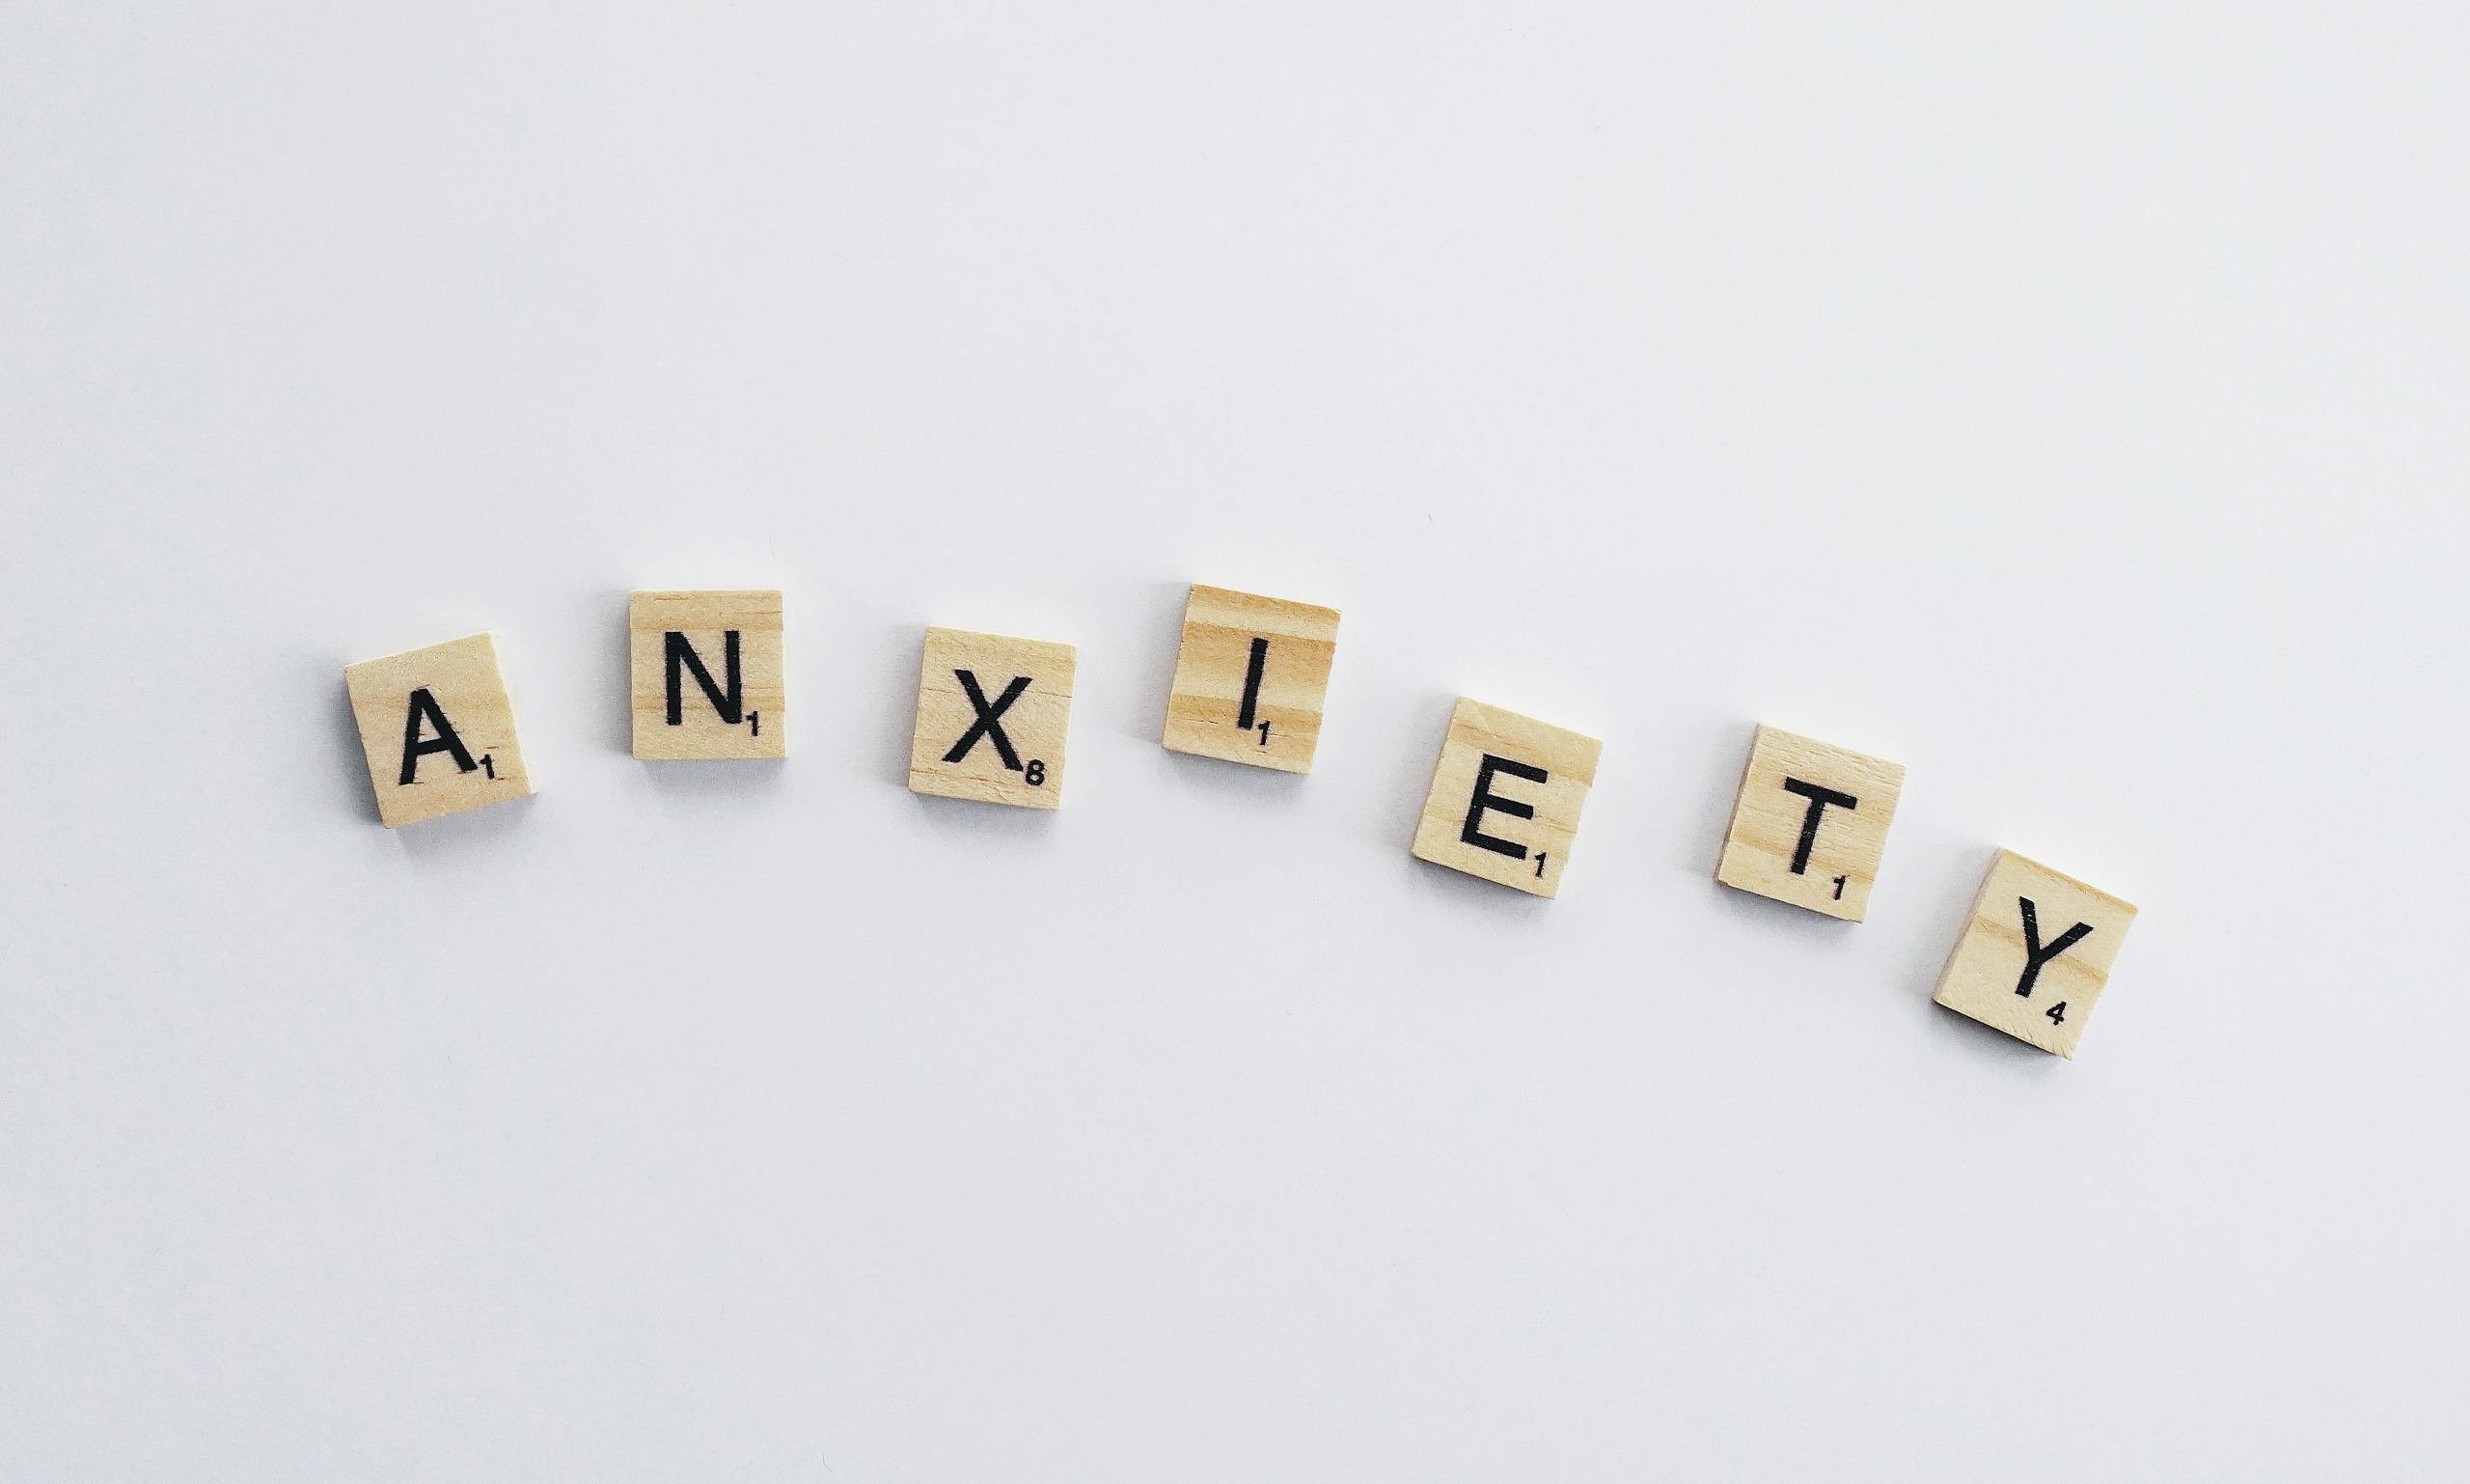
(987, 726)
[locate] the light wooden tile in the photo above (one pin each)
(991, 717)
(438, 730)
(1810, 824)
(706, 673)
(2035, 954)
(1505, 798)
(1250, 679)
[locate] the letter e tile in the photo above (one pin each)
(1505, 798)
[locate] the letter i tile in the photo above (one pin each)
(1252, 680)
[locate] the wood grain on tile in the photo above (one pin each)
(1505, 798)
(2035, 954)
(1810, 824)
(706, 677)
(1251, 678)
(993, 716)
(437, 727)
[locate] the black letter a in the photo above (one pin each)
(424, 706)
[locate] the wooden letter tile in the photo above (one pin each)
(438, 730)
(706, 669)
(1250, 679)
(2035, 953)
(1505, 798)
(992, 714)
(1810, 824)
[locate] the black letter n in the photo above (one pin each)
(729, 702)
(423, 707)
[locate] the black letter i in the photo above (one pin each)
(1247, 718)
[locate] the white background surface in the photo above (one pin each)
(2065, 400)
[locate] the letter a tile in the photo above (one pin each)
(1505, 798)
(1810, 824)
(438, 730)
(1250, 679)
(992, 714)
(707, 673)
(2035, 955)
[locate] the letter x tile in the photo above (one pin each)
(992, 714)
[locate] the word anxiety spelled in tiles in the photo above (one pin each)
(1251, 686)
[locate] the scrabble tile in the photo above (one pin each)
(438, 730)
(1810, 824)
(2035, 954)
(707, 673)
(1505, 798)
(991, 713)
(1250, 679)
